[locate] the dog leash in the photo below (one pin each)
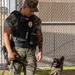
(22, 63)
(5, 67)
(20, 60)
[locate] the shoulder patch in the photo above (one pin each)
(17, 15)
(11, 19)
(37, 20)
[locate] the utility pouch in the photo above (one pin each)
(4, 50)
(5, 53)
(21, 43)
(33, 40)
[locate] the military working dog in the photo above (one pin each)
(57, 66)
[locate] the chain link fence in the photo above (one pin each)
(3, 15)
(58, 27)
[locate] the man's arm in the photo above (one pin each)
(40, 40)
(8, 25)
(37, 22)
(7, 32)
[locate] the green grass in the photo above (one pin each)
(67, 71)
(44, 72)
(69, 68)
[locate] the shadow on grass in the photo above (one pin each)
(45, 72)
(64, 72)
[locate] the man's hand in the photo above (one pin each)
(11, 56)
(39, 56)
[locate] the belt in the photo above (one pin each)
(22, 44)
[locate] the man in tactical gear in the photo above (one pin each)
(25, 30)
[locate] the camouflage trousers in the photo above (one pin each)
(29, 56)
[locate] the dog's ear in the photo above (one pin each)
(62, 59)
(54, 59)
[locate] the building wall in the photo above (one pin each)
(3, 15)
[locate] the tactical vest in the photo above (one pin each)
(24, 30)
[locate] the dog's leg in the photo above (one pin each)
(55, 73)
(59, 74)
